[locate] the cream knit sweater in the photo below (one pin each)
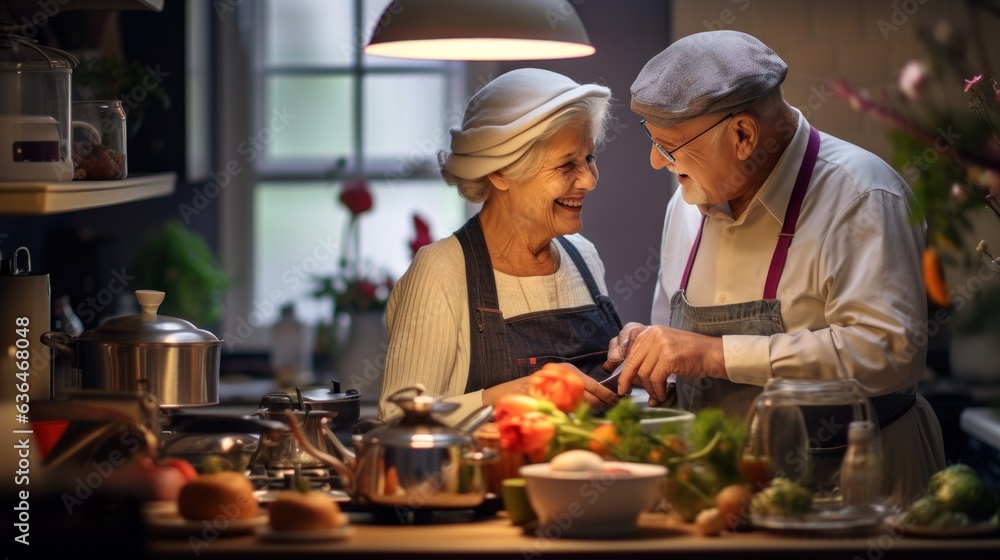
(428, 317)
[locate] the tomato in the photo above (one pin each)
(187, 469)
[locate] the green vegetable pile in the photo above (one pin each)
(693, 482)
(955, 497)
(783, 497)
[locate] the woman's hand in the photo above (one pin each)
(595, 395)
(619, 346)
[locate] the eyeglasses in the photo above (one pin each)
(667, 153)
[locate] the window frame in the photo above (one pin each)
(241, 61)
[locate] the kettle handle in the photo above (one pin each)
(59, 341)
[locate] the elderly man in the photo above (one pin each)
(786, 252)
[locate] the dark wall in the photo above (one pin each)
(624, 215)
(87, 253)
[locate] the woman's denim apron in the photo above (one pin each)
(504, 350)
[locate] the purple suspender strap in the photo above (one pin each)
(792, 215)
(787, 228)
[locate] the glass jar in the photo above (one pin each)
(35, 117)
(99, 141)
(802, 430)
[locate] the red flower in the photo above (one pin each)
(422, 236)
(355, 196)
(558, 384)
(513, 405)
(526, 433)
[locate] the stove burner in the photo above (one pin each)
(279, 479)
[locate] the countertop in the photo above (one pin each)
(660, 536)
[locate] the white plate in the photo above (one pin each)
(338, 534)
(265, 497)
(175, 525)
(975, 529)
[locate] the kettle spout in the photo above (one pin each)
(343, 468)
(343, 453)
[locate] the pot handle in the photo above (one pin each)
(472, 422)
(59, 341)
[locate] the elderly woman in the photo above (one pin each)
(517, 286)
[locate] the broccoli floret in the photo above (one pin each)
(960, 490)
(782, 497)
(948, 475)
(925, 510)
(949, 519)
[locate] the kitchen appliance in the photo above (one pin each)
(25, 304)
(287, 456)
(416, 462)
(35, 124)
(166, 356)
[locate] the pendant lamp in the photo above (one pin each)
(480, 30)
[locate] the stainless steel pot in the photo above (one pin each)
(168, 357)
(416, 462)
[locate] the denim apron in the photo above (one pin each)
(506, 349)
(763, 318)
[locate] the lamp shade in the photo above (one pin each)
(480, 30)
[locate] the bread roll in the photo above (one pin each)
(228, 494)
(292, 510)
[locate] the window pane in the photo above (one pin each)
(299, 233)
(405, 117)
(318, 114)
(309, 32)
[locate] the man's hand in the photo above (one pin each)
(657, 351)
(619, 346)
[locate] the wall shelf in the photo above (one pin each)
(37, 198)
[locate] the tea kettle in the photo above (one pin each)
(414, 462)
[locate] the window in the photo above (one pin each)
(313, 111)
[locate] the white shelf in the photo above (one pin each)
(27, 198)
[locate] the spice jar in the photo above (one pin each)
(99, 141)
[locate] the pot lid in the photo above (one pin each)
(148, 327)
(418, 428)
(19, 53)
(333, 394)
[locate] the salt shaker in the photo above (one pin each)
(861, 471)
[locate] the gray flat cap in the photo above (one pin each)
(703, 74)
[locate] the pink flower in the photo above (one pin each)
(355, 196)
(969, 84)
(912, 78)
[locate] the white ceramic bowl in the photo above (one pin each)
(592, 504)
(675, 420)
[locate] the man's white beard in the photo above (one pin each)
(694, 193)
